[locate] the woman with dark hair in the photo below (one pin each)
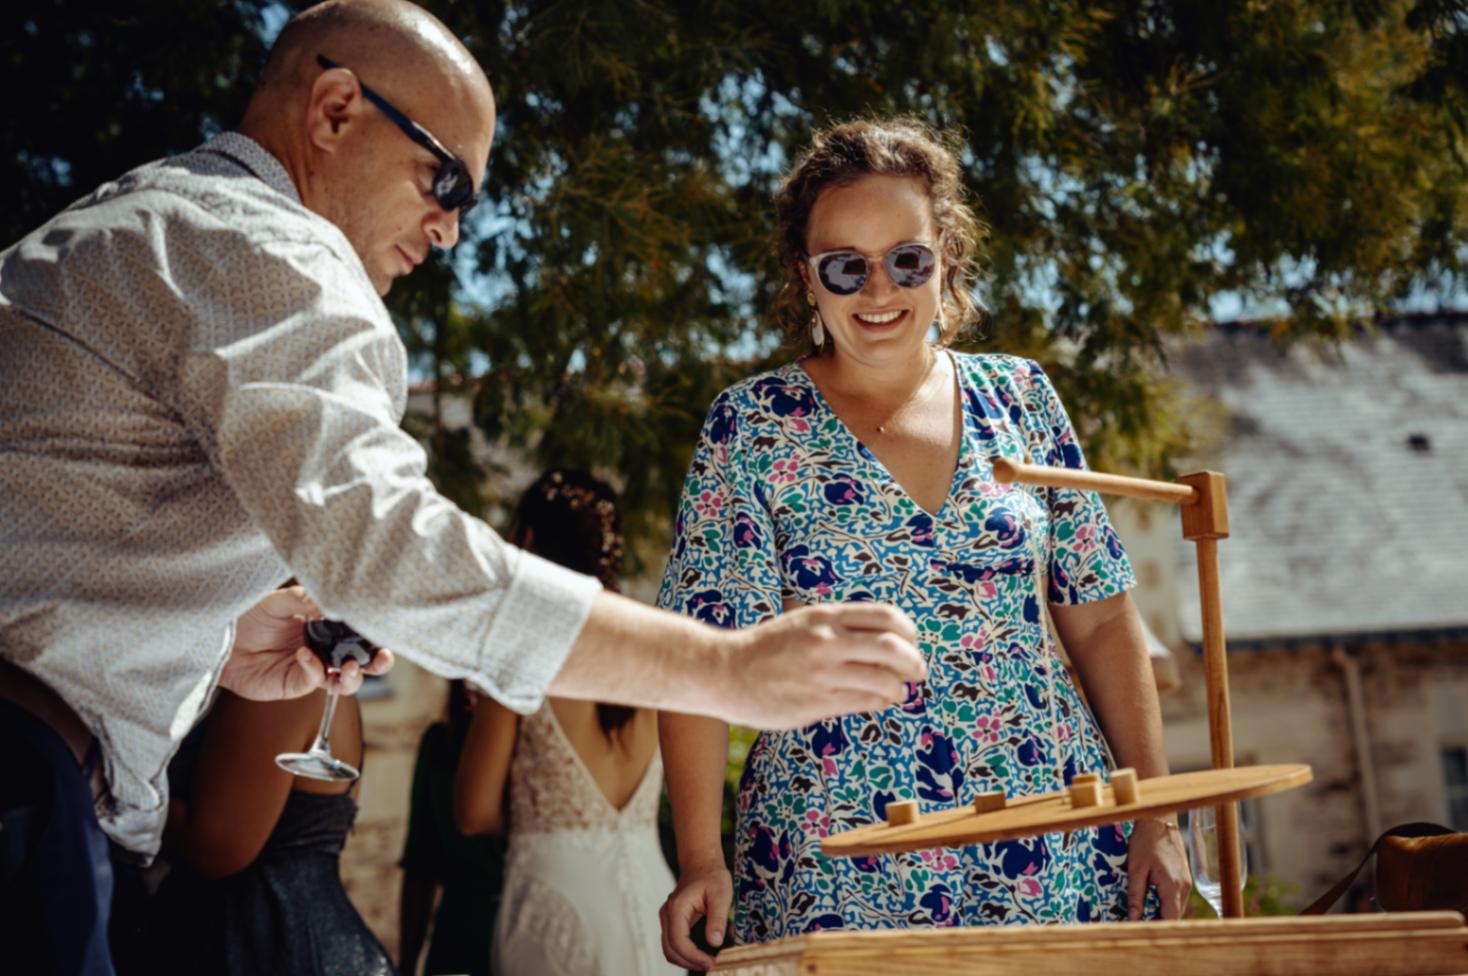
(255, 880)
(575, 785)
(437, 859)
(862, 471)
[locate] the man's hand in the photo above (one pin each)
(817, 662)
(270, 660)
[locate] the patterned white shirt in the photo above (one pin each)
(199, 395)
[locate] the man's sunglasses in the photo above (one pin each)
(453, 187)
(845, 272)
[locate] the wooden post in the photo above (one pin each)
(1202, 498)
(1205, 521)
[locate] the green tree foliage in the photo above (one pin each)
(1134, 160)
(94, 88)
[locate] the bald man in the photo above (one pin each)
(200, 396)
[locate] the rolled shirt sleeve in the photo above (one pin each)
(294, 380)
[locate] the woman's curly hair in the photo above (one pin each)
(898, 146)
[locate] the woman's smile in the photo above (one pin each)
(878, 319)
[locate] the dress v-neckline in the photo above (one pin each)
(570, 747)
(871, 456)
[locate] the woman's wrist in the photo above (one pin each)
(702, 858)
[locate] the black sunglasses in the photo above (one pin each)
(845, 272)
(453, 187)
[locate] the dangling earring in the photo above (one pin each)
(817, 327)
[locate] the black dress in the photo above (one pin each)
(286, 914)
(470, 870)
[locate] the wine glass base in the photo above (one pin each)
(317, 765)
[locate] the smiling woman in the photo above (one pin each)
(863, 472)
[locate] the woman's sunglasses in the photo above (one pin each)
(845, 272)
(453, 187)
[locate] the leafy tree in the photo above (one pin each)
(1134, 160)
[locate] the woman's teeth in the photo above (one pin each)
(877, 318)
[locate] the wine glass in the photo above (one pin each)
(1203, 851)
(334, 643)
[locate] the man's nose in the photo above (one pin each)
(443, 227)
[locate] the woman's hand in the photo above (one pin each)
(1156, 857)
(270, 660)
(704, 890)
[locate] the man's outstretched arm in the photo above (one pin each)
(791, 671)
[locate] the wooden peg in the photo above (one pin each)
(989, 802)
(1124, 786)
(901, 812)
(1206, 517)
(1081, 779)
(1085, 794)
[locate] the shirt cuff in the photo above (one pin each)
(531, 637)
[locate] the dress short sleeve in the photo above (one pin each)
(722, 569)
(1086, 562)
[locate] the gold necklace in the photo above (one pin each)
(932, 364)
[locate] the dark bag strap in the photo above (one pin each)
(1323, 904)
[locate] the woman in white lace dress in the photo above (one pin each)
(575, 785)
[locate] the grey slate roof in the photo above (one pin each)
(1348, 482)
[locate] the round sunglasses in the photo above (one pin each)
(845, 271)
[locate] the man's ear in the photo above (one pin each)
(334, 105)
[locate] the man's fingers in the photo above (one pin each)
(349, 679)
(382, 662)
(867, 680)
(885, 651)
(291, 601)
(872, 616)
(312, 667)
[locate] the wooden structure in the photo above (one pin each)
(1387, 944)
(1202, 498)
(1087, 804)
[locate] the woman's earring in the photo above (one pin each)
(817, 327)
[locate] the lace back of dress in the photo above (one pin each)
(551, 789)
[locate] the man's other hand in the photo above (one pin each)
(270, 660)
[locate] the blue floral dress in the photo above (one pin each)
(783, 502)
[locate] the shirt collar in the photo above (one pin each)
(255, 158)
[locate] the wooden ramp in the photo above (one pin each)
(1385, 944)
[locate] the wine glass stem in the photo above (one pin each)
(323, 734)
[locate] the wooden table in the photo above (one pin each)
(1382, 944)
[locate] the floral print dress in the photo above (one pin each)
(782, 502)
